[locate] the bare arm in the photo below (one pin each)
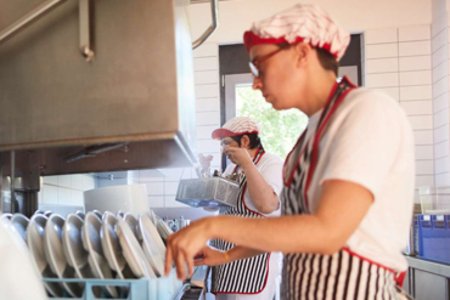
(262, 194)
(214, 257)
(342, 207)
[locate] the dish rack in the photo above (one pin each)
(209, 192)
(163, 288)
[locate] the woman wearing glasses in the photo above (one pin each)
(259, 177)
(348, 182)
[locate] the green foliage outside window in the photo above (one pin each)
(279, 129)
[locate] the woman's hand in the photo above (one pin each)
(239, 156)
(211, 257)
(183, 246)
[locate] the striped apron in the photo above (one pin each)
(343, 275)
(246, 276)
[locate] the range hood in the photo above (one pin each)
(126, 102)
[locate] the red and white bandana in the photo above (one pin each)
(301, 23)
(234, 127)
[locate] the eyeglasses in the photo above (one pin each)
(255, 63)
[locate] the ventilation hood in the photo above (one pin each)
(126, 101)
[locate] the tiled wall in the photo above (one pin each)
(398, 61)
(65, 189)
(440, 75)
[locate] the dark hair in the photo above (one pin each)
(327, 60)
(255, 141)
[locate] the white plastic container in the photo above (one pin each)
(130, 198)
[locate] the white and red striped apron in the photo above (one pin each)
(246, 276)
(343, 275)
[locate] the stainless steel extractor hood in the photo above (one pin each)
(125, 102)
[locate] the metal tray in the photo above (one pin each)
(208, 192)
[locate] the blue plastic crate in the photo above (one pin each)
(163, 288)
(434, 238)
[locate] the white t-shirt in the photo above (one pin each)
(370, 142)
(270, 167)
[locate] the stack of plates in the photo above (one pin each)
(92, 245)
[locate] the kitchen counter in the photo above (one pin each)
(427, 279)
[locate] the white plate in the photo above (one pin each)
(80, 213)
(133, 222)
(163, 229)
(91, 242)
(133, 252)
(75, 254)
(19, 222)
(5, 218)
(153, 244)
(35, 238)
(54, 253)
(110, 244)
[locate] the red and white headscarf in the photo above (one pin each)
(235, 127)
(301, 23)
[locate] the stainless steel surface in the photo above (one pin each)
(212, 192)
(138, 90)
(28, 18)
(85, 24)
(212, 27)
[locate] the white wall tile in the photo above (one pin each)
(415, 93)
(207, 104)
(412, 63)
(206, 77)
(383, 65)
(394, 92)
(206, 63)
(424, 167)
(442, 179)
(65, 180)
(155, 188)
(441, 118)
(440, 40)
(415, 78)
(51, 179)
(382, 80)
(207, 49)
(421, 122)
(423, 137)
(207, 91)
(441, 149)
(204, 132)
(211, 118)
(381, 50)
(440, 87)
(172, 174)
(377, 36)
(441, 133)
(441, 102)
(424, 180)
(414, 48)
(440, 71)
(414, 33)
(424, 151)
(208, 145)
(169, 201)
(440, 56)
(170, 187)
(49, 194)
(439, 23)
(442, 165)
(417, 107)
(156, 201)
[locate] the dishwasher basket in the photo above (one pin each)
(163, 288)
